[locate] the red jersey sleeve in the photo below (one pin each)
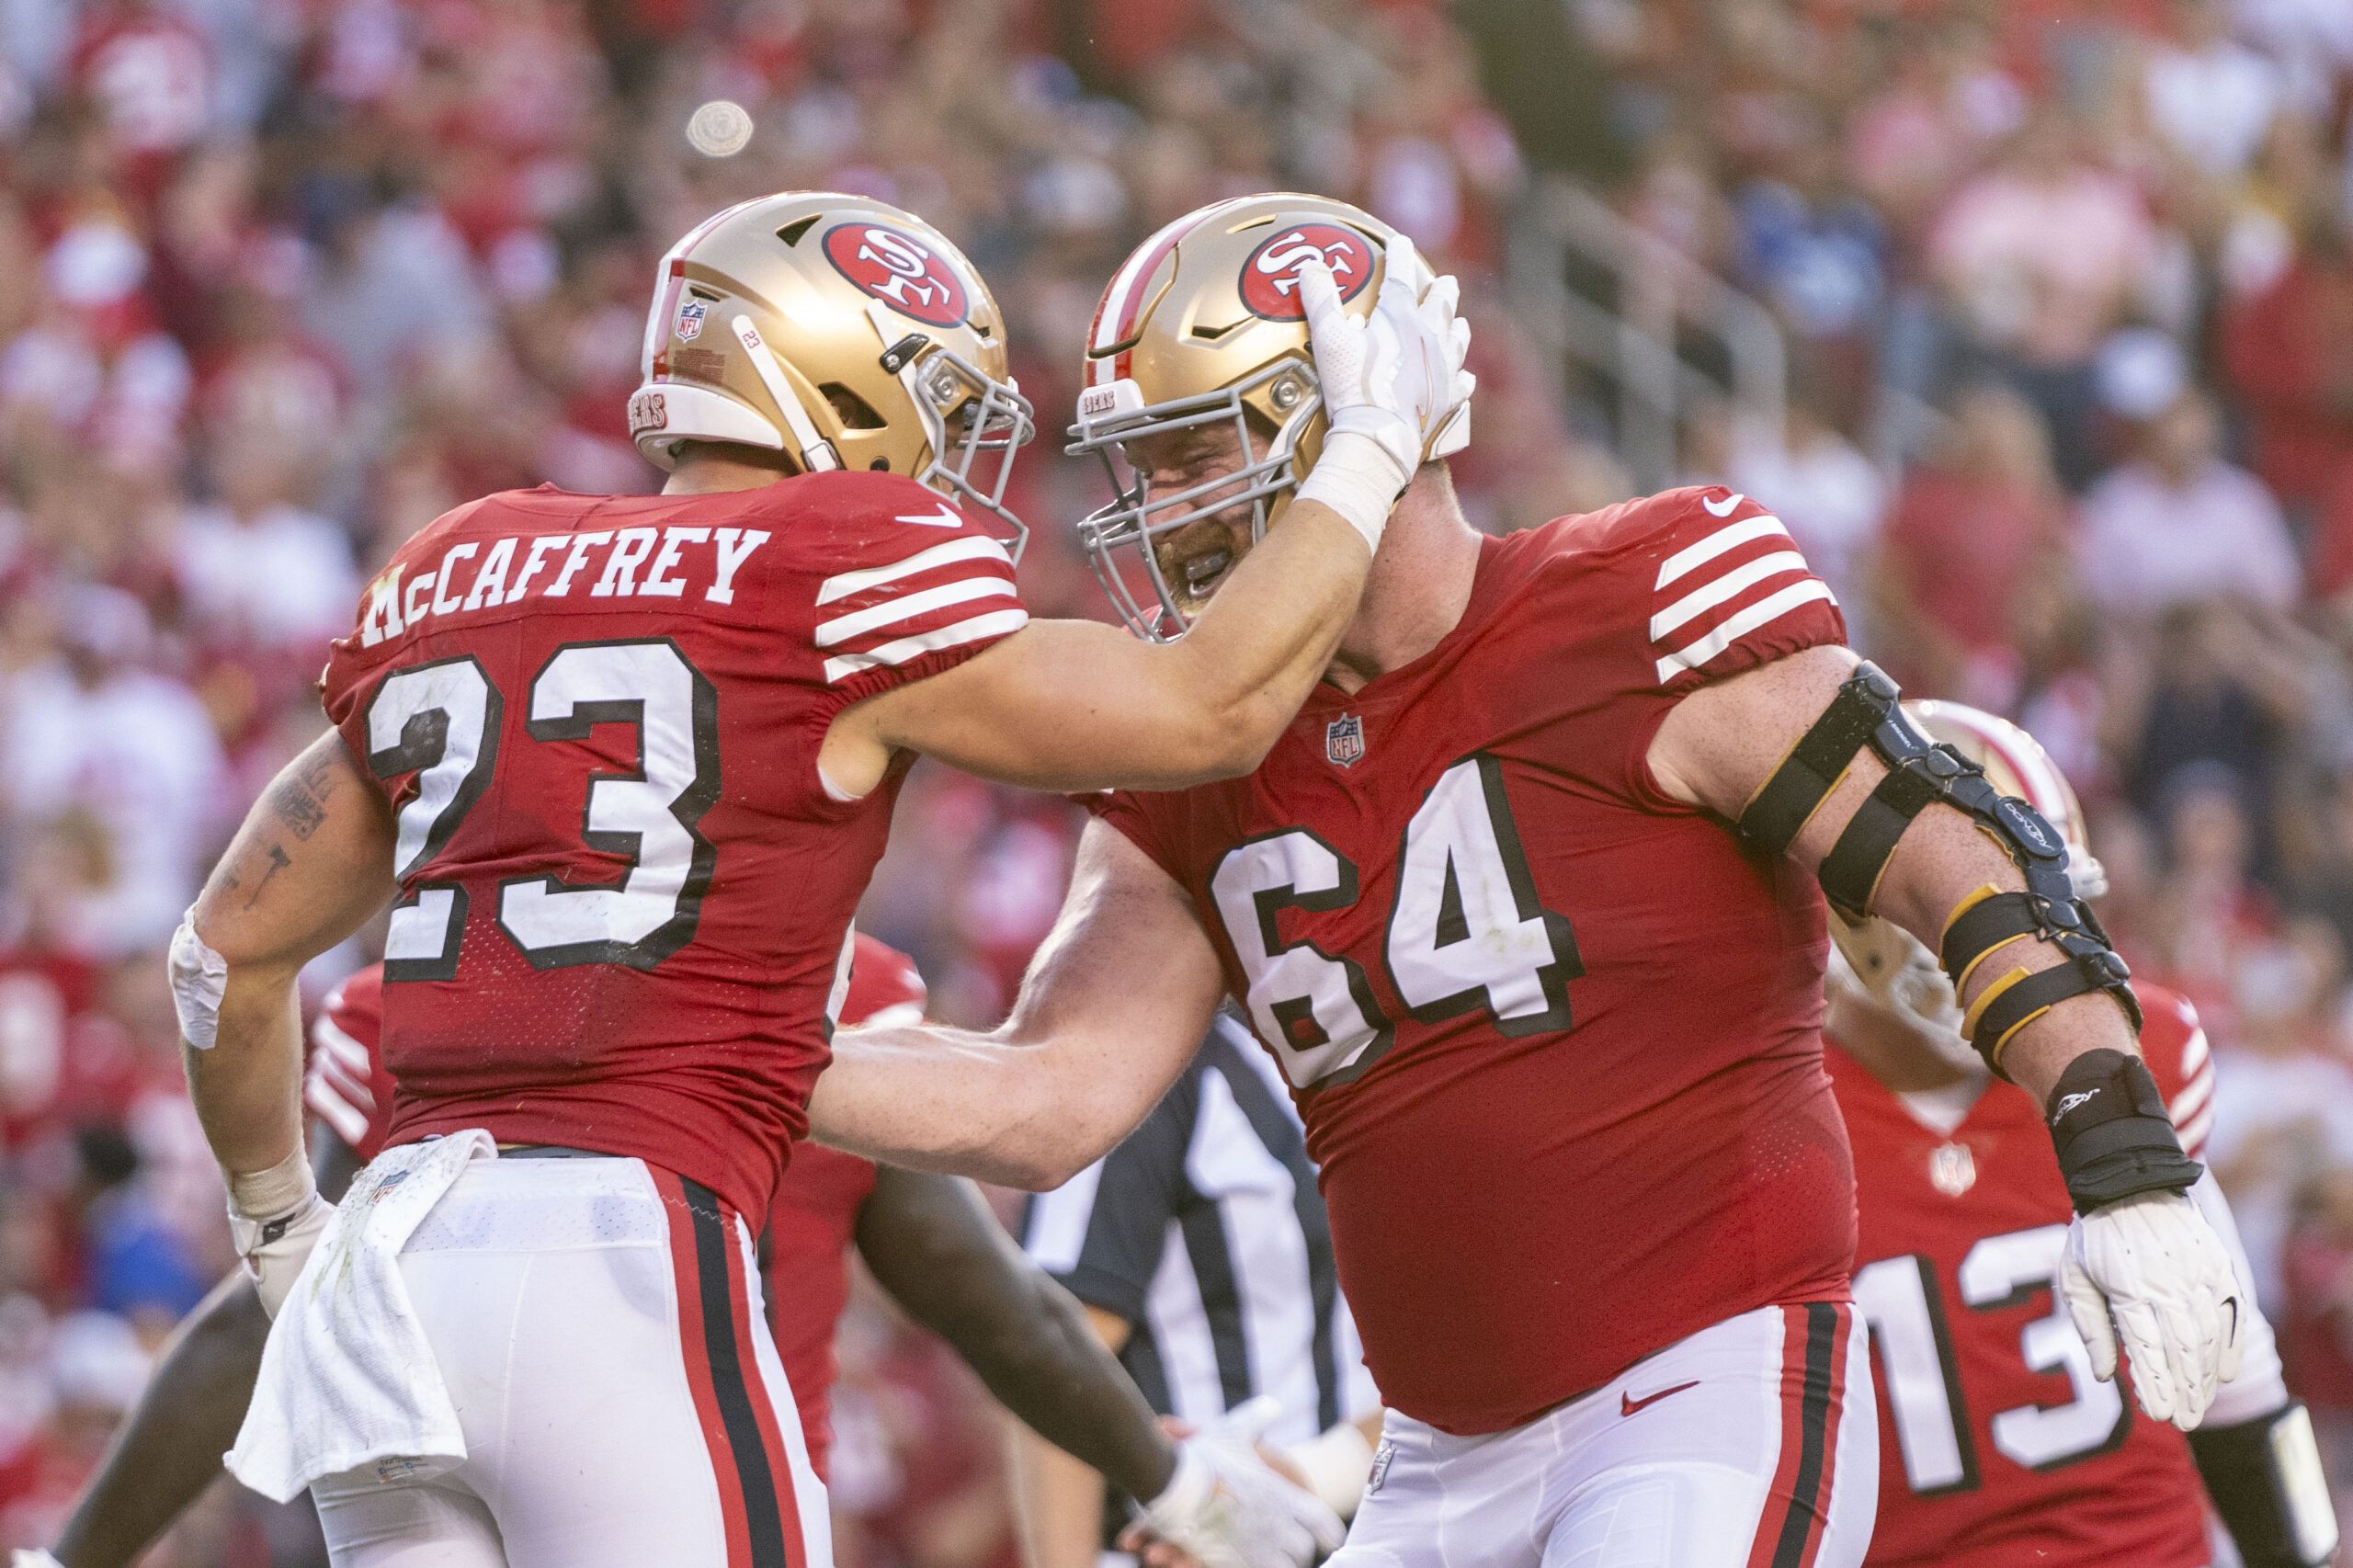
(885, 987)
(2173, 1042)
(903, 585)
(346, 1084)
(1654, 599)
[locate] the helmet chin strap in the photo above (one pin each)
(817, 455)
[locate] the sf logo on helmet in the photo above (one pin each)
(899, 270)
(1270, 278)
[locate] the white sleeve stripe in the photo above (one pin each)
(892, 1016)
(995, 623)
(1693, 556)
(2193, 1131)
(1765, 610)
(911, 607)
(328, 1037)
(970, 547)
(349, 1122)
(2193, 1055)
(1701, 600)
(2193, 1097)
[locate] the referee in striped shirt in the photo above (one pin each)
(1200, 1250)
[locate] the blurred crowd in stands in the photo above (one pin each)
(2067, 294)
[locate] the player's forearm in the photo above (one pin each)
(1269, 634)
(310, 864)
(1059, 1505)
(1942, 860)
(247, 1089)
(933, 1244)
(168, 1450)
(953, 1100)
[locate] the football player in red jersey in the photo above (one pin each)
(929, 1240)
(621, 766)
(1509, 902)
(1998, 1444)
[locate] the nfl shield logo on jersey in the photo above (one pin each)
(1343, 739)
(1952, 1169)
(691, 314)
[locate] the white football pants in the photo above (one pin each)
(600, 1328)
(1732, 1448)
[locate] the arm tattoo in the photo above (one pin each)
(278, 862)
(299, 798)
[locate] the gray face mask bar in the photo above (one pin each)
(975, 424)
(1137, 519)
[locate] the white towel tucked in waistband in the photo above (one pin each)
(347, 1380)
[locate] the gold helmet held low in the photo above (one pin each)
(1895, 967)
(841, 332)
(1203, 324)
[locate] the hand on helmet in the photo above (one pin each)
(1395, 393)
(1396, 375)
(2149, 1273)
(1226, 1508)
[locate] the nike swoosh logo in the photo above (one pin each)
(943, 518)
(1725, 509)
(1628, 1403)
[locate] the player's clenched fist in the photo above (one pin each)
(2149, 1274)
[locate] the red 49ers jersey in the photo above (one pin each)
(804, 1247)
(1554, 1036)
(1998, 1445)
(624, 887)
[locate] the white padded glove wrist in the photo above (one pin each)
(1226, 1509)
(1358, 478)
(2147, 1274)
(276, 1218)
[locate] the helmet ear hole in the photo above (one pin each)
(853, 411)
(879, 465)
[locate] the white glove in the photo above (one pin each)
(275, 1249)
(1395, 390)
(1226, 1509)
(2149, 1271)
(22, 1557)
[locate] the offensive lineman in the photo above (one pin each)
(1998, 1444)
(930, 1243)
(627, 762)
(1508, 901)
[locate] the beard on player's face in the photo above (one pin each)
(1196, 559)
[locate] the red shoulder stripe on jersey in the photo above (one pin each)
(1813, 1381)
(701, 1243)
(936, 598)
(1723, 586)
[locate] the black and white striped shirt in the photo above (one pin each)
(1204, 1231)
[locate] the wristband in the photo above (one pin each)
(268, 1195)
(1355, 477)
(1336, 1464)
(2109, 1123)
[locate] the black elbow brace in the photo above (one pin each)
(2265, 1480)
(1868, 712)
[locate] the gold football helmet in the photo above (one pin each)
(1891, 965)
(837, 330)
(1203, 324)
